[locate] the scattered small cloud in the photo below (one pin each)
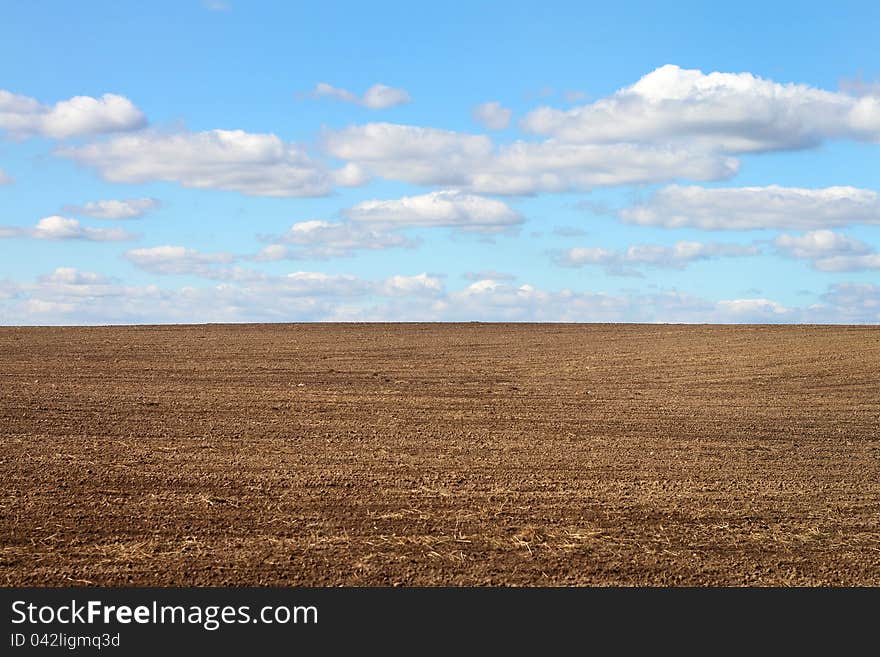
(167, 260)
(492, 115)
(64, 228)
(752, 308)
(678, 256)
(829, 251)
(452, 209)
(379, 96)
(817, 244)
(68, 295)
(419, 285)
(325, 239)
(132, 208)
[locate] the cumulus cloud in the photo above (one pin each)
(731, 112)
(22, 117)
(819, 244)
(379, 96)
(324, 239)
(177, 260)
(753, 309)
(5, 179)
(169, 260)
(829, 251)
(132, 208)
(253, 164)
(452, 209)
(743, 208)
(492, 115)
(677, 256)
(72, 296)
(64, 228)
(493, 300)
(419, 285)
(410, 153)
(429, 156)
(305, 283)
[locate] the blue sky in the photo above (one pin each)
(269, 161)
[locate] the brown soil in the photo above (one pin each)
(428, 454)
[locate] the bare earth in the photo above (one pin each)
(429, 454)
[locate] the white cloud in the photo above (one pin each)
(866, 262)
(317, 283)
(253, 164)
(677, 256)
(21, 116)
(492, 300)
(72, 276)
(428, 156)
(829, 251)
(730, 112)
(743, 208)
(113, 209)
(64, 228)
(73, 284)
(492, 115)
(379, 96)
(420, 155)
(819, 244)
(857, 303)
(753, 309)
(444, 208)
(527, 168)
(72, 296)
(419, 285)
(177, 260)
(5, 179)
(350, 175)
(216, 5)
(324, 239)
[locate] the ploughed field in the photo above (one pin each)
(440, 454)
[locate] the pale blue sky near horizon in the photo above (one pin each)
(560, 184)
